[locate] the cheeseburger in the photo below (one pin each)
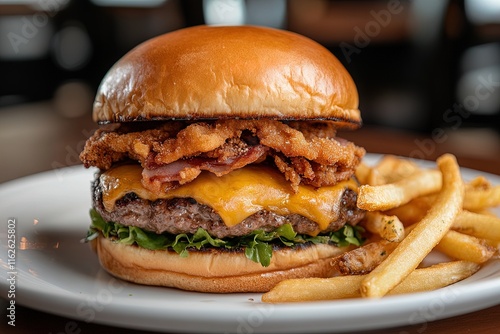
(219, 168)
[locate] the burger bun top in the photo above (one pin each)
(245, 72)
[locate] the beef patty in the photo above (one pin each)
(185, 215)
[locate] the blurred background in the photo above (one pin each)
(428, 70)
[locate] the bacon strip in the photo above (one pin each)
(186, 170)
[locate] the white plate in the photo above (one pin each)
(58, 274)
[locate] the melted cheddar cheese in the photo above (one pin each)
(237, 195)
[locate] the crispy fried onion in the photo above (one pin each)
(175, 152)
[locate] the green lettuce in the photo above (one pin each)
(258, 245)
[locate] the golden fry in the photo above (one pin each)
(311, 289)
(389, 228)
(391, 169)
(465, 247)
(412, 212)
(478, 199)
(478, 225)
(496, 246)
(475, 200)
(314, 289)
(486, 212)
(479, 195)
(436, 276)
(424, 237)
(362, 173)
(388, 196)
(477, 183)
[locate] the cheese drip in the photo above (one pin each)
(237, 195)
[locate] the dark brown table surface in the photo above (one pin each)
(35, 138)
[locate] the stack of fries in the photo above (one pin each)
(410, 212)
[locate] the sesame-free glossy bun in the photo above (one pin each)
(208, 72)
(214, 270)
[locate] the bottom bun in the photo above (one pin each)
(215, 271)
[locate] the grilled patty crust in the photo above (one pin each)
(185, 215)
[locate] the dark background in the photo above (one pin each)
(411, 60)
(422, 66)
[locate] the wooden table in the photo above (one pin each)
(38, 139)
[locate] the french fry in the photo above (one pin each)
(412, 212)
(496, 246)
(409, 228)
(475, 200)
(314, 289)
(486, 212)
(362, 173)
(364, 259)
(478, 225)
(391, 169)
(389, 228)
(477, 183)
(388, 196)
(436, 276)
(465, 247)
(478, 199)
(424, 237)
